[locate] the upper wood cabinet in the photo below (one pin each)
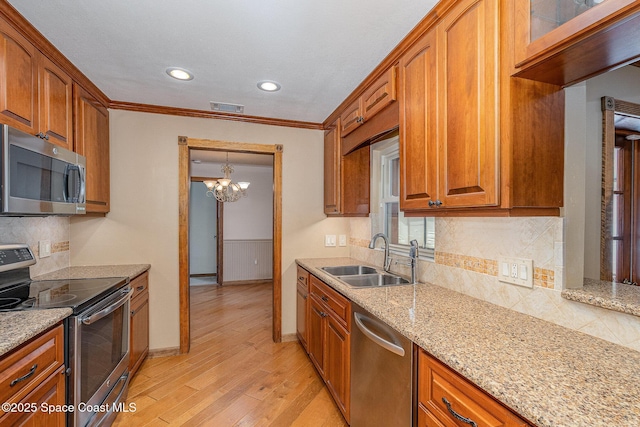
(332, 167)
(563, 42)
(92, 141)
(56, 103)
(473, 140)
(374, 99)
(467, 104)
(35, 94)
(18, 80)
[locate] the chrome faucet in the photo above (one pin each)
(413, 254)
(372, 245)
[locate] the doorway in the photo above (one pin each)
(206, 234)
(185, 146)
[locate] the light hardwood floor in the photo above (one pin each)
(234, 374)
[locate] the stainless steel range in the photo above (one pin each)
(96, 334)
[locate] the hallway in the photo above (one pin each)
(234, 375)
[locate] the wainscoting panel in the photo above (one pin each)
(248, 260)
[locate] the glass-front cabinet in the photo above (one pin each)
(542, 27)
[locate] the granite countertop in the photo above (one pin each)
(18, 327)
(609, 295)
(550, 375)
(96, 271)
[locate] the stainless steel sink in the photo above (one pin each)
(373, 280)
(349, 270)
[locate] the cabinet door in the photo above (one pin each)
(56, 100)
(139, 331)
(468, 76)
(51, 392)
(92, 141)
(301, 315)
(379, 94)
(18, 80)
(418, 126)
(351, 118)
(355, 182)
(332, 167)
(316, 333)
(337, 372)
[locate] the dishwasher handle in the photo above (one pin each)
(393, 348)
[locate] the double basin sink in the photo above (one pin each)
(362, 276)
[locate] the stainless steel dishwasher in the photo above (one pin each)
(382, 384)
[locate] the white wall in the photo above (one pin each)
(202, 230)
(142, 226)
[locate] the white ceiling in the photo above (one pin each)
(319, 51)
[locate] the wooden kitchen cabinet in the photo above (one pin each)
(562, 42)
(473, 139)
(329, 340)
(443, 393)
(34, 374)
(376, 97)
(92, 141)
(35, 94)
(56, 104)
(139, 322)
(346, 177)
(302, 293)
(332, 168)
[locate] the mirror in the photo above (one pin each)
(620, 204)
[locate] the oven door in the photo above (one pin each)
(99, 359)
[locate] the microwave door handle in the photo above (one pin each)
(79, 193)
(82, 173)
(108, 310)
(65, 187)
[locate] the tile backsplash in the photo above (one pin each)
(31, 230)
(466, 258)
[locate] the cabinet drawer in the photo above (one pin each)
(443, 392)
(380, 94)
(140, 284)
(303, 278)
(336, 303)
(23, 369)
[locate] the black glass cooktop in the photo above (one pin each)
(75, 293)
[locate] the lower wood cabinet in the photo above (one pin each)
(139, 323)
(32, 375)
(448, 400)
(302, 294)
(329, 340)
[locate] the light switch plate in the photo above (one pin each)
(330, 240)
(517, 271)
(44, 248)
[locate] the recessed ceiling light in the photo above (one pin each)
(269, 86)
(180, 73)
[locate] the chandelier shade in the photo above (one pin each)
(224, 189)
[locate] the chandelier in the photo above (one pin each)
(225, 190)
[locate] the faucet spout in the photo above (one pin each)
(372, 245)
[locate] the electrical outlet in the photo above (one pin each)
(342, 240)
(516, 271)
(330, 240)
(44, 248)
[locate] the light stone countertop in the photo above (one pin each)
(18, 327)
(609, 295)
(96, 271)
(550, 375)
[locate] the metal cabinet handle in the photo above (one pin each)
(436, 203)
(140, 288)
(458, 416)
(324, 298)
(323, 314)
(24, 377)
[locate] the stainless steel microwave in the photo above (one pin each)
(38, 177)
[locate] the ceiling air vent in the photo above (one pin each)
(227, 108)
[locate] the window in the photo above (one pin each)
(387, 217)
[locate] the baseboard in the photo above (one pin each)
(289, 337)
(248, 282)
(203, 275)
(163, 352)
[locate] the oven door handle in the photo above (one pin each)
(110, 309)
